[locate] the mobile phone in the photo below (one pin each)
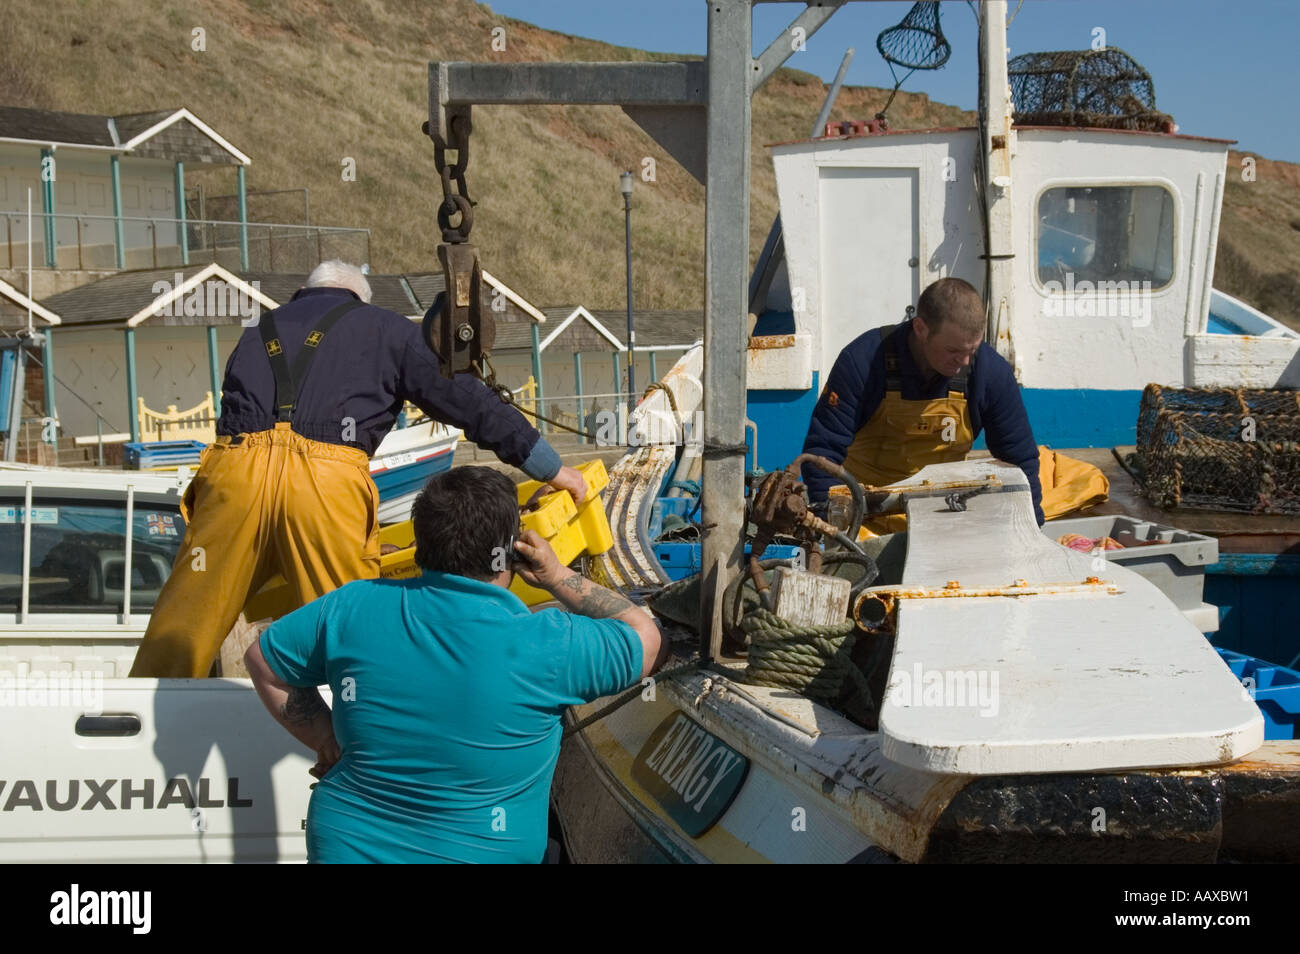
(517, 559)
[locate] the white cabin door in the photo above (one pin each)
(869, 251)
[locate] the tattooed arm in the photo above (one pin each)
(579, 595)
(301, 711)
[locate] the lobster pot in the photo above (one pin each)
(1105, 88)
(1233, 449)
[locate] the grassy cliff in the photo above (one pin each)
(302, 85)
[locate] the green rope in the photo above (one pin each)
(813, 660)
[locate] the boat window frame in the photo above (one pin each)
(1102, 182)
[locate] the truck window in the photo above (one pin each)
(78, 554)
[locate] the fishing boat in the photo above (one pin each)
(706, 766)
(1095, 247)
(405, 460)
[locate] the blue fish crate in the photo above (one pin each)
(1276, 690)
(681, 560)
(664, 506)
(142, 455)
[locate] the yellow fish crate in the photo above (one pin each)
(571, 529)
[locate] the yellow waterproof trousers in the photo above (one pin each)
(1068, 484)
(260, 504)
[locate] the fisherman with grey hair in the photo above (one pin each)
(309, 393)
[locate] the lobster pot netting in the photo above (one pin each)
(1234, 449)
(1105, 88)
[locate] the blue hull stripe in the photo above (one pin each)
(411, 477)
(1060, 419)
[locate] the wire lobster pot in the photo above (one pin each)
(1230, 449)
(1104, 88)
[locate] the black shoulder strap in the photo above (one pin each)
(289, 380)
(893, 371)
(961, 380)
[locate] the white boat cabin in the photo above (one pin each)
(1112, 237)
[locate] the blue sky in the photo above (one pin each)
(1226, 69)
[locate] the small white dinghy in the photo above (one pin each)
(1071, 677)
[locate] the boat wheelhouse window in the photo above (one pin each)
(78, 554)
(1106, 234)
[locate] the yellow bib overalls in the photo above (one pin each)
(903, 436)
(265, 503)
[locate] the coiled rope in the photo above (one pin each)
(814, 661)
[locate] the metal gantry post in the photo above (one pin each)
(998, 141)
(726, 229)
(666, 100)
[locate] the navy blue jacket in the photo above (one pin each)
(368, 365)
(858, 381)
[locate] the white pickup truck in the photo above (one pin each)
(98, 767)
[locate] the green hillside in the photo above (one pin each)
(301, 85)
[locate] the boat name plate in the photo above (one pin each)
(691, 773)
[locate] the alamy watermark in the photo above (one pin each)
(945, 688)
(210, 299)
(78, 906)
(66, 689)
(1088, 299)
(649, 427)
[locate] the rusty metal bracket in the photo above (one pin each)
(893, 498)
(779, 507)
(461, 333)
(875, 607)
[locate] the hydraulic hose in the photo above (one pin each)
(835, 470)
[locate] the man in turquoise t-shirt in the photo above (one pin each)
(448, 692)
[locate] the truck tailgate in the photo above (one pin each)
(171, 770)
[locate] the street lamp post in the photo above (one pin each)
(625, 186)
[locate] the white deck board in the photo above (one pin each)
(1056, 683)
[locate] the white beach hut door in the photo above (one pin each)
(869, 251)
